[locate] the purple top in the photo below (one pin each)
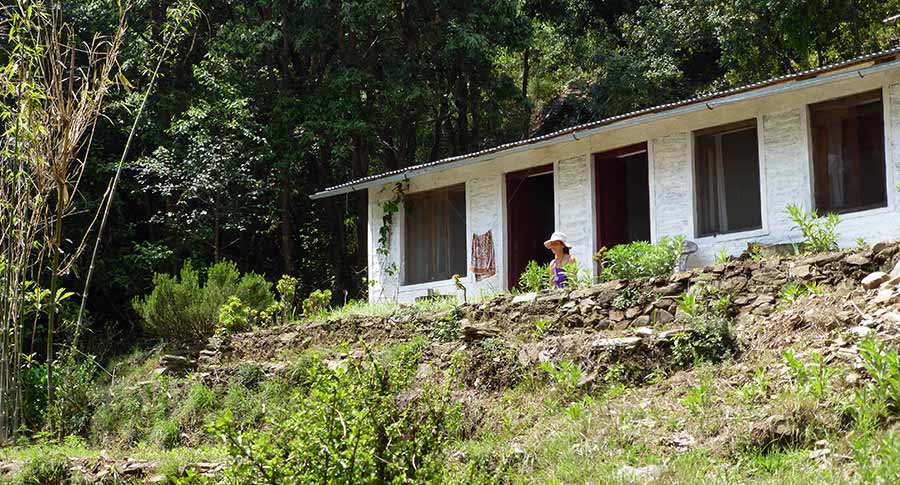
(559, 277)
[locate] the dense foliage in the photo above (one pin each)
(260, 104)
(182, 310)
(640, 259)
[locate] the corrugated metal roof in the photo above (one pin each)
(875, 56)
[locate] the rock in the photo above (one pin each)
(642, 321)
(602, 293)
(762, 299)
(667, 334)
(874, 279)
(524, 298)
(632, 312)
(642, 474)
(718, 268)
(884, 296)
(616, 315)
(643, 332)
(553, 296)
(895, 281)
(857, 259)
(861, 331)
(597, 322)
(671, 289)
(764, 309)
(681, 276)
(607, 343)
(822, 258)
(471, 331)
(896, 271)
(801, 271)
(663, 316)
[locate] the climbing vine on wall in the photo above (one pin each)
(389, 208)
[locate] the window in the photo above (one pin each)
(435, 235)
(726, 175)
(848, 153)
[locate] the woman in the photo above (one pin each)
(561, 257)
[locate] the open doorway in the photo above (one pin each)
(622, 195)
(530, 218)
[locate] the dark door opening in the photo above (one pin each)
(623, 196)
(530, 218)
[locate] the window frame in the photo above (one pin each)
(724, 129)
(883, 94)
(402, 280)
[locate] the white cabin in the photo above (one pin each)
(718, 169)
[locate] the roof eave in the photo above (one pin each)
(655, 113)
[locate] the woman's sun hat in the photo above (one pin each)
(558, 236)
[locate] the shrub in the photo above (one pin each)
(52, 467)
(370, 436)
(819, 233)
(640, 259)
(883, 365)
(709, 339)
(317, 302)
(180, 310)
(287, 291)
(576, 276)
(536, 277)
(166, 434)
(234, 316)
(75, 394)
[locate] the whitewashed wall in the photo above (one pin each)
(785, 173)
(574, 206)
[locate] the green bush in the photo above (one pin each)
(166, 434)
(640, 259)
(536, 277)
(46, 468)
(883, 365)
(819, 233)
(709, 339)
(234, 316)
(317, 302)
(370, 436)
(180, 310)
(75, 394)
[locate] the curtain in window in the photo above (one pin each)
(848, 153)
(727, 180)
(435, 235)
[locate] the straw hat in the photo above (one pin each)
(558, 236)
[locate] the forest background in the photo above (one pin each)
(261, 103)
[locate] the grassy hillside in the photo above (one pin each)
(769, 370)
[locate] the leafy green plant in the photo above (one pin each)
(819, 233)
(722, 257)
(812, 378)
(688, 304)
(640, 259)
(287, 292)
(792, 291)
(566, 375)
(758, 387)
(70, 410)
(317, 302)
(536, 277)
(697, 397)
(709, 339)
(576, 276)
(181, 310)
(352, 412)
(627, 298)
(543, 326)
(883, 365)
(234, 316)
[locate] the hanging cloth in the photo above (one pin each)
(483, 265)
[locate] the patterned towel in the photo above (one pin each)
(483, 265)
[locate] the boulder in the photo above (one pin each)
(477, 331)
(875, 279)
(524, 298)
(896, 271)
(663, 316)
(857, 260)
